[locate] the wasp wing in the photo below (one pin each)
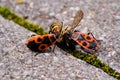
(77, 18)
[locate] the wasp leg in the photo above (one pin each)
(49, 31)
(53, 50)
(36, 53)
(76, 31)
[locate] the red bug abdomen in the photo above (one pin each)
(41, 42)
(86, 42)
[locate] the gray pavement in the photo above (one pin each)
(17, 62)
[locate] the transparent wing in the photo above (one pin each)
(77, 18)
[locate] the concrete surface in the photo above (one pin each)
(102, 18)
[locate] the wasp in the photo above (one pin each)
(72, 37)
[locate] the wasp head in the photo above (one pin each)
(55, 27)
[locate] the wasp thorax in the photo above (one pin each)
(68, 34)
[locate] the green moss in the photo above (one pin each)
(6, 13)
(93, 60)
(89, 58)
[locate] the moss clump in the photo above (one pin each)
(6, 13)
(89, 58)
